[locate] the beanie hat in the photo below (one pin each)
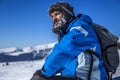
(64, 7)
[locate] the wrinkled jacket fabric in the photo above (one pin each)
(68, 56)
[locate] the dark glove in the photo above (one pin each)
(38, 76)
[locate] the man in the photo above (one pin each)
(69, 56)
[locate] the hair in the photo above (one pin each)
(64, 7)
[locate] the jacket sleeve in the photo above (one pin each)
(77, 40)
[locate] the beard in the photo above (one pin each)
(61, 24)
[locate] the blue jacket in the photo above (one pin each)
(68, 56)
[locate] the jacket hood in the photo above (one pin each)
(85, 18)
(79, 18)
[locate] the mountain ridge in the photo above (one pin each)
(25, 54)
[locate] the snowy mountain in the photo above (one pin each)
(25, 54)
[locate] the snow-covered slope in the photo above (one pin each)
(19, 70)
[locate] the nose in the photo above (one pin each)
(54, 19)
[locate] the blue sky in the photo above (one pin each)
(27, 23)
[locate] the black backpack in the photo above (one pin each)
(109, 48)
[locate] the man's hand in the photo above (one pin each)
(38, 76)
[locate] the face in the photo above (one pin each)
(56, 18)
(59, 21)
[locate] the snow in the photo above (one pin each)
(27, 49)
(5, 50)
(19, 70)
(15, 51)
(44, 46)
(119, 40)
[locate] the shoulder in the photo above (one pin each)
(80, 20)
(84, 18)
